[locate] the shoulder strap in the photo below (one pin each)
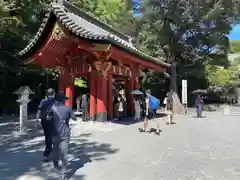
(49, 108)
(56, 111)
(59, 116)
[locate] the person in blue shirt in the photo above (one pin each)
(149, 113)
(60, 133)
(41, 117)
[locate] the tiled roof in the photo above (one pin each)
(85, 26)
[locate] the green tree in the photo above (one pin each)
(234, 46)
(117, 13)
(18, 24)
(218, 75)
(105, 10)
(186, 31)
(19, 21)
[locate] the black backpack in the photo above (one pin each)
(48, 114)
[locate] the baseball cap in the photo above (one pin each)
(61, 96)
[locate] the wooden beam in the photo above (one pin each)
(129, 58)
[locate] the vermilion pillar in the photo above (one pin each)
(135, 82)
(110, 98)
(101, 114)
(130, 104)
(69, 90)
(132, 84)
(93, 95)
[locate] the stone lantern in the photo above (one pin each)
(23, 99)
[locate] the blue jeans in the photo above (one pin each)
(60, 152)
(199, 110)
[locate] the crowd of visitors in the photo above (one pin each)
(54, 117)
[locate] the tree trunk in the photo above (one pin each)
(174, 77)
(177, 107)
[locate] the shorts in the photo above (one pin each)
(151, 115)
(168, 112)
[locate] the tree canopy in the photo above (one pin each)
(19, 22)
(185, 30)
(105, 10)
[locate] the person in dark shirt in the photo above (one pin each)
(61, 115)
(43, 108)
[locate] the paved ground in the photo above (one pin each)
(191, 149)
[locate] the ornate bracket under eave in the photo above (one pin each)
(102, 51)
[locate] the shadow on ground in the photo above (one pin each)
(21, 155)
(203, 117)
(130, 120)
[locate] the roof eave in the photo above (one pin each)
(141, 55)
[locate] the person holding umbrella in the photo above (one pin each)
(137, 107)
(137, 104)
(199, 105)
(199, 100)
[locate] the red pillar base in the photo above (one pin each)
(93, 95)
(101, 114)
(69, 90)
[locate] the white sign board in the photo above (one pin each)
(184, 91)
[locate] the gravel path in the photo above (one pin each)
(191, 149)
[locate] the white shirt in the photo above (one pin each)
(147, 100)
(165, 101)
(147, 104)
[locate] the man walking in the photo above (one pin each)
(43, 108)
(61, 115)
(150, 112)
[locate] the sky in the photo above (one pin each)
(136, 4)
(235, 33)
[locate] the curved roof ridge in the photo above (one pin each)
(93, 20)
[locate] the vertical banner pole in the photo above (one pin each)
(184, 94)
